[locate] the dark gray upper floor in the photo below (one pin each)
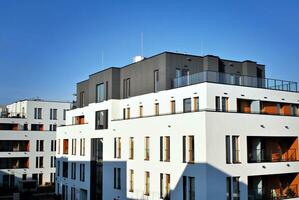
(157, 73)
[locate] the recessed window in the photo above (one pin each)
(100, 92)
(102, 119)
(187, 105)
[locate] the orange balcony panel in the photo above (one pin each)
(269, 108)
(285, 109)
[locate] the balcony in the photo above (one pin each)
(9, 126)
(14, 163)
(234, 79)
(5, 114)
(14, 146)
(272, 149)
(267, 107)
(278, 186)
(78, 120)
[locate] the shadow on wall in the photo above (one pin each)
(194, 181)
(13, 182)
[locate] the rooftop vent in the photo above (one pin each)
(138, 58)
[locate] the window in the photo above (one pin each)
(126, 88)
(223, 105)
(53, 145)
(172, 107)
(53, 127)
(217, 103)
(24, 177)
(82, 99)
(58, 168)
(102, 119)
(37, 113)
(117, 178)
(147, 183)
(165, 153)
(65, 146)
(227, 149)
(294, 110)
(82, 147)
(124, 113)
(187, 105)
(39, 145)
(73, 193)
(64, 192)
(117, 147)
(236, 188)
(228, 188)
(74, 141)
(53, 114)
(131, 148)
(65, 167)
(100, 92)
(140, 111)
(73, 170)
(52, 177)
(39, 162)
(146, 148)
(188, 188)
(233, 185)
(156, 108)
(165, 186)
(82, 172)
(58, 152)
(186, 76)
(188, 149)
(53, 161)
(156, 81)
(40, 179)
(64, 114)
(196, 103)
(128, 113)
(236, 149)
(131, 182)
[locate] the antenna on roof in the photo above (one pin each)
(201, 53)
(141, 44)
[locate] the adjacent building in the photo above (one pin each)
(28, 143)
(181, 127)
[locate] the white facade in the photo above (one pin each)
(28, 141)
(208, 171)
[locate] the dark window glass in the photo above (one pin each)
(100, 93)
(102, 119)
(187, 105)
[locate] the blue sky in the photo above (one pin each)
(47, 46)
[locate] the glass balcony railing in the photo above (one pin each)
(233, 79)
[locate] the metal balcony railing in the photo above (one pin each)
(260, 155)
(234, 79)
(5, 114)
(265, 193)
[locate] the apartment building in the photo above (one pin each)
(181, 127)
(28, 143)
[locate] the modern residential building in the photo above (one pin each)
(28, 143)
(181, 127)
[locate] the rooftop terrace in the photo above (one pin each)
(233, 79)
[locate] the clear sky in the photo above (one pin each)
(47, 46)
